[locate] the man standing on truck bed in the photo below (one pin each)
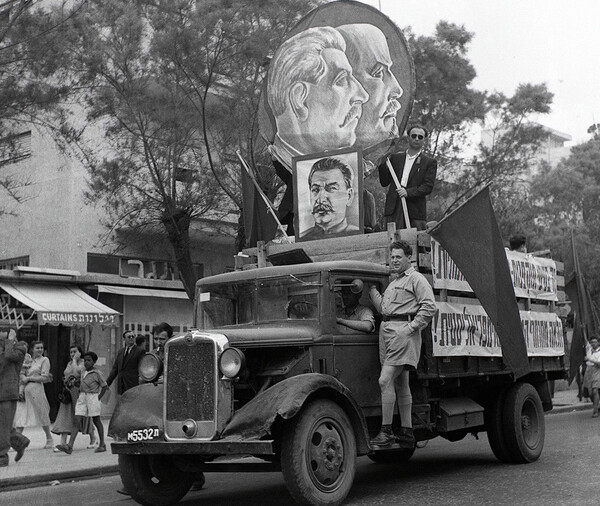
(407, 306)
(416, 174)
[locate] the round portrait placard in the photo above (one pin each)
(342, 79)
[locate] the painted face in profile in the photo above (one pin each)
(369, 55)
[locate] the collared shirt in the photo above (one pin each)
(360, 313)
(408, 165)
(92, 381)
(409, 294)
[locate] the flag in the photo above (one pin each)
(259, 224)
(585, 319)
(471, 236)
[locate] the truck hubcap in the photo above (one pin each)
(325, 455)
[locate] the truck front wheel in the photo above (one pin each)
(318, 454)
(524, 424)
(153, 480)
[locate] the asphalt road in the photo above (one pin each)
(462, 473)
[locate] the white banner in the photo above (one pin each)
(533, 277)
(466, 330)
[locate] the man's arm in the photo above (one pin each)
(14, 351)
(385, 178)
(426, 302)
(114, 371)
(375, 297)
(426, 187)
(365, 324)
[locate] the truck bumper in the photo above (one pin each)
(207, 448)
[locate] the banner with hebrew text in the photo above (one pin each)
(532, 277)
(466, 330)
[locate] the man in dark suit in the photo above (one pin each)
(125, 367)
(416, 174)
(12, 354)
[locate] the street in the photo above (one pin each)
(446, 473)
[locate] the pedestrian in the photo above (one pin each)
(12, 354)
(125, 367)
(64, 425)
(416, 174)
(591, 380)
(93, 387)
(407, 306)
(34, 410)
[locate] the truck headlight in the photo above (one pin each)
(150, 367)
(231, 362)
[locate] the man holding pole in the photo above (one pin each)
(405, 202)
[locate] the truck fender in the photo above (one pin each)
(139, 407)
(285, 400)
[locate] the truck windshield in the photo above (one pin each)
(263, 300)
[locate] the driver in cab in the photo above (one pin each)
(355, 316)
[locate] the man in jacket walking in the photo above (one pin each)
(125, 367)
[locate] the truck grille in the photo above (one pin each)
(190, 388)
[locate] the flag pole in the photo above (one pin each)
(402, 199)
(264, 197)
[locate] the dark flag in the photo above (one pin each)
(259, 224)
(471, 236)
(585, 321)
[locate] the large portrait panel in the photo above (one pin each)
(328, 195)
(342, 79)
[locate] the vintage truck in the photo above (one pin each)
(268, 373)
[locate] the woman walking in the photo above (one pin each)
(35, 410)
(591, 379)
(65, 423)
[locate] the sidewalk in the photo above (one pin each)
(40, 467)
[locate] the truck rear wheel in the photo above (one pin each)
(495, 428)
(318, 454)
(524, 424)
(153, 480)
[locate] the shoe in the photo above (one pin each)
(91, 445)
(123, 491)
(68, 449)
(406, 438)
(595, 414)
(21, 450)
(49, 444)
(100, 449)
(384, 438)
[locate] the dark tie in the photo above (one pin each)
(127, 351)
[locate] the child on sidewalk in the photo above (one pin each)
(93, 387)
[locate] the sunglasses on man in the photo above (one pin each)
(417, 136)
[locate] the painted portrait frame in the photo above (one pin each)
(303, 219)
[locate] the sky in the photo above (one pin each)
(524, 41)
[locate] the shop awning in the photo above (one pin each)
(142, 292)
(62, 305)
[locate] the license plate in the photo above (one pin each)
(147, 434)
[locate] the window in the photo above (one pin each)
(15, 147)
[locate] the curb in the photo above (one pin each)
(583, 406)
(41, 480)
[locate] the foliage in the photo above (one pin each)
(173, 88)
(31, 75)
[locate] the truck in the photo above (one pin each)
(268, 373)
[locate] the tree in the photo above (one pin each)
(173, 87)
(31, 84)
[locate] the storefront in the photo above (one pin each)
(60, 314)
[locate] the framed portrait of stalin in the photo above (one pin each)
(328, 195)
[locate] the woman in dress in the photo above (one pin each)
(65, 419)
(591, 379)
(35, 410)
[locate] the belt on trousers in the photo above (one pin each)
(398, 318)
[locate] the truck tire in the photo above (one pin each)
(318, 454)
(524, 424)
(153, 480)
(392, 456)
(495, 428)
